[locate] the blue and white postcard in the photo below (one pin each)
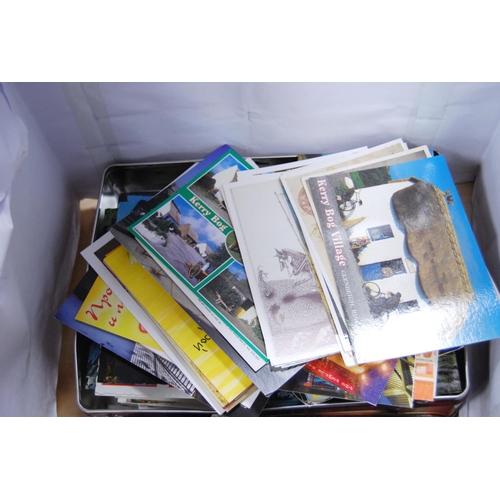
(409, 271)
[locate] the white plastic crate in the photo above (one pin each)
(74, 131)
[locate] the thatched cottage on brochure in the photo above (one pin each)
(405, 242)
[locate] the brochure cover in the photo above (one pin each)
(366, 382)
(219, 372)
(159, 392)
(117, 378)
(397, 392)
(409, 271)
(189, 235)
(308, 383)
(449, 382)
(95, 255)
(399, 389)
(134, 352)
(103, 309)
(383, 155)
(115, 370)
(293, 314)
(425, 376)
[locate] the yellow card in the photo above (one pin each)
(103, 309)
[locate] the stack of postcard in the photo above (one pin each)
(386, 237)
(356, 269)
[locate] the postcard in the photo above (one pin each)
(296, 192)
(190, 236)
(410, 274)
(294, 318)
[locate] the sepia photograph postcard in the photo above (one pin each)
(296, 323)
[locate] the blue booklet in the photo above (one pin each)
(409, 272)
